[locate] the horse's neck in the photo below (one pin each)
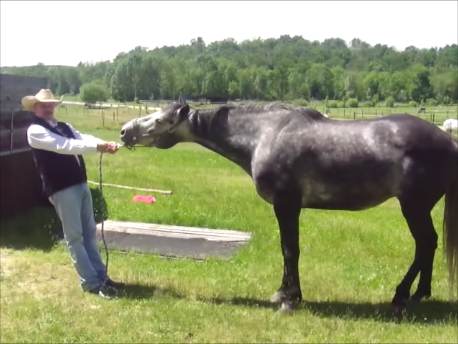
(232, 137)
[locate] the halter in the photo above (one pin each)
(169, 130)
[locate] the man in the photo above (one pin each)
(57, 148)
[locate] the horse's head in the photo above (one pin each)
(162, 129)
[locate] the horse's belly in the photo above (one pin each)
(350, 196)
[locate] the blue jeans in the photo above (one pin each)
(75, 210)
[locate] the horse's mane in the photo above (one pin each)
(309, 114)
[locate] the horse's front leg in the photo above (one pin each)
(287, 210)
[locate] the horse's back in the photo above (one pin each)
(353, 164)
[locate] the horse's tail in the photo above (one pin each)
(450, 225)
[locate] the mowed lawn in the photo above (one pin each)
(350, 265)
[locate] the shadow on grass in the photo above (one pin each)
(41, 228)
(427, 312)
(139, 292)
(432, 311)
(136, 291)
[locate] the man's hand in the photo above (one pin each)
(108, 147)
(114, 147)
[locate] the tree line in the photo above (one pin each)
(287, 68)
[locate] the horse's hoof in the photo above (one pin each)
(399, 305)
(278, 297)
(400, 301)
(414, 301)
(287, 307)
(399, 312)
(417, 297)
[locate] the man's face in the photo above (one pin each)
(44, 110)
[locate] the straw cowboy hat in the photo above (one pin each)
(44, 96)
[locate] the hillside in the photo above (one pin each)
(287, 68)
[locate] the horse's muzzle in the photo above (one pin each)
(127, 134)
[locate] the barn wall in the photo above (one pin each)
(20, 183)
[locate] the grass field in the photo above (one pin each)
(350, 265)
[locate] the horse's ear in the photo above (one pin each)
(183, 111)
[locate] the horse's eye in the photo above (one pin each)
(158, 120)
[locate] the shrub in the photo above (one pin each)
(341, 104)
(374, 100)
(353, 103)
(300, 102)
(93, 92)
(333, 104)
(389, 102)
(431, 102)
(413, 103)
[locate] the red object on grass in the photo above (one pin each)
(144, 199)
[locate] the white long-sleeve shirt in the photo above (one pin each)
(41, 138)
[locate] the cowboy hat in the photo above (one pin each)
(44, 96)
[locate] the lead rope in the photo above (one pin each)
(103, 286)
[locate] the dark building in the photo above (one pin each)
(21, 187)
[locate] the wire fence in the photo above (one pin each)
(114, 115)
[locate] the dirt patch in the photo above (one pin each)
(22, 275)
(6, 263)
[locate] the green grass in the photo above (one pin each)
(350, 265)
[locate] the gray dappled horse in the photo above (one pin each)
(298, 159)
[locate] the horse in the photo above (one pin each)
(298, 158)
(450, 125)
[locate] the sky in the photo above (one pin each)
(67, 32)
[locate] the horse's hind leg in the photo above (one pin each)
(421, 226)
(428, 244)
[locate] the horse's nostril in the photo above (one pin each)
(123, 132)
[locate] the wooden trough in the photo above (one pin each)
(171, 231)
(172, 241)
